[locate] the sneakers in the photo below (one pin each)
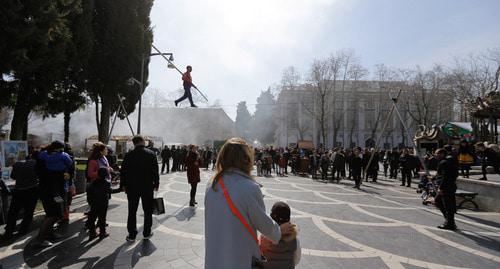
(147, 237)
(193, 106)
(130, 238)
(175, 102)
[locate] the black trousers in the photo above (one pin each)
(192, 193)
(406, 177)
(484, 165)
(447, 205)
(165, 163)
(98, 211)
(357, 177)
(187, 94)
(394, 171)
(147, 206)
(21, 199)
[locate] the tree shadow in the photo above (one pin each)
(65, 253)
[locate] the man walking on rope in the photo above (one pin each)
(187, 82)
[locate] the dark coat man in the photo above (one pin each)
(394, 163)
(447, 172)
(406, 163)
(139, 178)
(355, 166)
(166, 154)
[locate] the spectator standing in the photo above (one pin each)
(24, 196)
(465, 157)
(229, 243)
(285, 254)
(356, 166)
(447, 172)
(488, 158)
(53, 167)
(405, 161)
(193, 172)
(139, 179)
(166, 154)
(99, 175)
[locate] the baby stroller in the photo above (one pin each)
(428, 187)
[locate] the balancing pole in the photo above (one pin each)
(178, 70)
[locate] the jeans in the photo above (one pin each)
(187, 94)
(147, 206)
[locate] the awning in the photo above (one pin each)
(457, 129)
(305, 144)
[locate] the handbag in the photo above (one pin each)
(158, 206)
(256, 262)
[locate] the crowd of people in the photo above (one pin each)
(178, 156)
(234, 207)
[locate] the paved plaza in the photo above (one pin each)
(381, 226)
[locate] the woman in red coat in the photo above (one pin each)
(193, 172)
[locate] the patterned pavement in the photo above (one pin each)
(381, 226)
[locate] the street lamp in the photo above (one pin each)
(132, 80)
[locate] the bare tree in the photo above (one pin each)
(321, 76)
(290, 78)
(427, 96)
(473, 77)
(356, 73)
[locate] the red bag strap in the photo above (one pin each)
(236, 212)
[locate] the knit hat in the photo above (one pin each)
(280, 212)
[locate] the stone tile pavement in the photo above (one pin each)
(382, 225)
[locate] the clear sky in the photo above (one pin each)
(239, 47)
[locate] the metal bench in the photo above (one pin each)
(467, 197)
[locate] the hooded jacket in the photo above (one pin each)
(284, 255)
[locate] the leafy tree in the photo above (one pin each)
(33, 37)
(263, 122)
(122, 36)
(69, 94)
(243, 121)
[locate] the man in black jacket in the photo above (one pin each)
(447, 172)
(488, 158)
(166, 154)
(139, 178)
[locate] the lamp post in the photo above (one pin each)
(141, 83)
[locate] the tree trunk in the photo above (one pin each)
(103, 127)
(67, 119)
(19, 124)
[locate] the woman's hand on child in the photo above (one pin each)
(286, 228)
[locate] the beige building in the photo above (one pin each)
(354, 113)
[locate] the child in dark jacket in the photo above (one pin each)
(285, 254)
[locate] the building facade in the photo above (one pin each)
(353, 113)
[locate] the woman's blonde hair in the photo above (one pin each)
(236, 154)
